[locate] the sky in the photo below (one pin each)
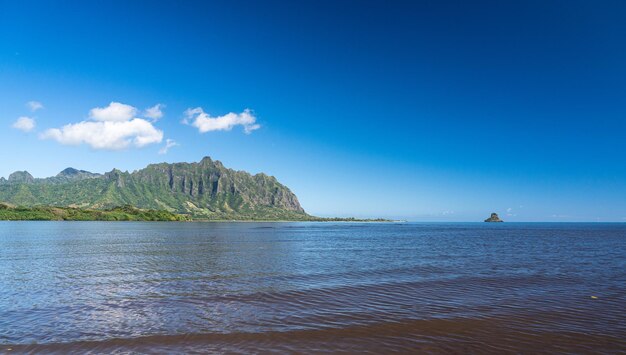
(417, 110)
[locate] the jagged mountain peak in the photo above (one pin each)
(68, 172)
(21, 177)
(204, 188)
(75, 174)
(72, 172)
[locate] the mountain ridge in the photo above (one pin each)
(204, 189)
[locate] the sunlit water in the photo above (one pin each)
(311, 287)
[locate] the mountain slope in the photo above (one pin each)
(205, 189)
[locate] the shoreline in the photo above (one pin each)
(206, 221)
(131, 213)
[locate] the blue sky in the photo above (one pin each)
(424, 110)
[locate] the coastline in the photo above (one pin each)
(133, 214)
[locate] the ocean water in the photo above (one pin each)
(131, 287)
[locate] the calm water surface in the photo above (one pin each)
(128, 287)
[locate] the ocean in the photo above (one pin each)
(135, 287)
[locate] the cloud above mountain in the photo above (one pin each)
(204, 122)
(169, 143)
(113, 127)
(24, 124)
(34, 105)
(155, 112)
(115, 112)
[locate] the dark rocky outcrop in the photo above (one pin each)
(494, 218)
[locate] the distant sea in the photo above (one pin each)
(131, 287)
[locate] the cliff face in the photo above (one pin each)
(204, 189)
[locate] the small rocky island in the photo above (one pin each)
(494, 218)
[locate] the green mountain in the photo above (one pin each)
(124, 213)
(204, 190)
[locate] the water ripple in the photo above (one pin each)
(306, 287)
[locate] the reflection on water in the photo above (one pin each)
(311, 287)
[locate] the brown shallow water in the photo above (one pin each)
(312, 287)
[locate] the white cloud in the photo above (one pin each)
(112, 128)
(169, 143)
(107, 135)
(25, 124)
(34, 105)
(115, 112)
(155, 112)
(205, 123)
(509, 209)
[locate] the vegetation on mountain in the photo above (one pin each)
(160, 192)
(124, 213)
(204, 190)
